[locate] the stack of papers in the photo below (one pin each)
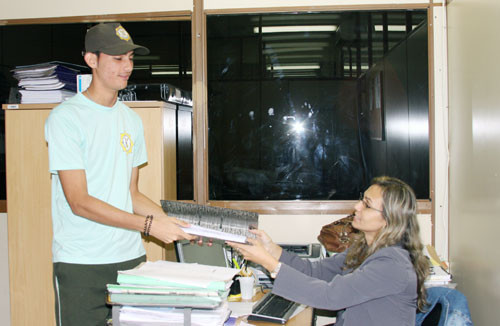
(50, 82)
(439, 274)
(161, 290)
(212, 221)
(133, 316)
(438, 277)
(214, 234)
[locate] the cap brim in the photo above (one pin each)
(124, 48)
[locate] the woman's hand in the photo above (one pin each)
(261, 250)
(266, 241)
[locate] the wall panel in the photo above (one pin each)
(24, 9)
(474, 154)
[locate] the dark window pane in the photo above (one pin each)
(290, 115)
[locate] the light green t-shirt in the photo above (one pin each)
(107, 143)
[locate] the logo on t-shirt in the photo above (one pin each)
(126, 142)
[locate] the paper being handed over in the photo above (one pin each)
(209, 233)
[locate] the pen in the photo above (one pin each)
(236, 263)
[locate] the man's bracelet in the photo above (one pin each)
(147, 225)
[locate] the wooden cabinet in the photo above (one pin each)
(29, 207)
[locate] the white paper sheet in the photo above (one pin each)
(184, 273)
(209, 233)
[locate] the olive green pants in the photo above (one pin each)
(80, 291)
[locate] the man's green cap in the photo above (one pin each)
(112, 39)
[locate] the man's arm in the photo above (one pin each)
(163, 226)
(74, 184)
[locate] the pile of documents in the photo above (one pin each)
(134, 316)
(438, 277)
(214, 222)
(160, 291)
(50, 82)
(439, 274)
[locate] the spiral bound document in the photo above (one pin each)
(214, 222)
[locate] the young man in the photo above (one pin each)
(96, 144)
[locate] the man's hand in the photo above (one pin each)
(168, 229)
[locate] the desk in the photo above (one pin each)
(304, 318)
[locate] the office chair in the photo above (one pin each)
(447, 307)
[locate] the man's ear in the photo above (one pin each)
(91, 59)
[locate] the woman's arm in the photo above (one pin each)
(380, 275)
(265, 252)
(324, 269)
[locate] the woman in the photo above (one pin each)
(378, 281)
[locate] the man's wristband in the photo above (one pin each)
(147, 225)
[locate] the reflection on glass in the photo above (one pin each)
(289, 116)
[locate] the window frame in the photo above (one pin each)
(200, 121)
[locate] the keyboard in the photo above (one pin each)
(273, 308)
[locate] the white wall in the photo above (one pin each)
(305, 228)
(62, 8)
(474, 48)
(4, 273)
(441, 154)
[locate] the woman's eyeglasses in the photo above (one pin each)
(366, 205)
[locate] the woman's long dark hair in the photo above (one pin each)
(400, 213)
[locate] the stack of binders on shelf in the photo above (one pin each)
(161, 291)
(50, 82)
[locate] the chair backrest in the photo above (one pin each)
(454, 308)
